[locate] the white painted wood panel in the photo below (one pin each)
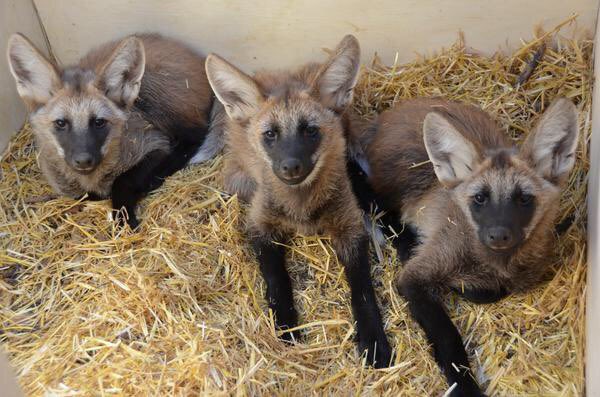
(15, 15)
(281, 33)
(8, 381)
(277, 33)
(593, 274)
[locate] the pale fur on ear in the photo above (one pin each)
(237, 91)
(453, 156)
(550, 148)
(121, 76)
(37, 78)
(339, 74)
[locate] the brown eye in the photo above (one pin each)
(60, 124)
(270, 134)
(312, 131)
(525, 199)
(480, 198)
(99, 122)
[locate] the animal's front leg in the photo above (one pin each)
(279, 295)
(404, 237)
(129, 187)
(354, 254)
(483, 295)
(448, 349)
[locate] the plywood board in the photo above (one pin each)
(275, 33)
(593, 273)
(15, 16)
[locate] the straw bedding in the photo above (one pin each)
(177, 308)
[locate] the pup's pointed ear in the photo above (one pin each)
(453, 156)
(338, 77)
(237, 91)
(121, 76)
(550, 148)
(37, 78)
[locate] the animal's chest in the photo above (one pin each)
(74, 185)
(298, 223)
(100, 184)
(302, 220)
(515, 274)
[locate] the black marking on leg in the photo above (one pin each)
(279, 295)
(370, 333)
(148, 175)
(448, 348)
(364, 193)
(181, 154)
(404, 237)
(129, 187)
(483, 295)
(91, 196)
(565, 225)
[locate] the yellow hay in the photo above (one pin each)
(177, 308)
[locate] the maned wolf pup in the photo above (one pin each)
(286, 154)
(484, 211)
(129, 114)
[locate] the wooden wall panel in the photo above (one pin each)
(15, 16)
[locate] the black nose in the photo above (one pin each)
(499, 238)
(291, 168)
(83, 160)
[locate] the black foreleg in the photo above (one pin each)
(279, 295)
(404, 237)
(445, 339)
(562, 227)
(149, 174)
(360, 186)
(483, 295)
(372, 340)
(129, 187)
(180, 155)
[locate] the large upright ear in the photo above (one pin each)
(453, 156)
(339, 74)
(121, 76)
(37, 78)
(237, 91)
(550, 148)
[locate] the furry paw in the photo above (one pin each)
(377, 349)
(291, 337)
(121, 218)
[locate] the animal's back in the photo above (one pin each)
(400, 170)
(174, 93)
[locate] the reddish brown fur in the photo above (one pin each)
(174, 79)
(484, 210)
(174, 96)
(451, 254)
(322, 202)
(284, 207)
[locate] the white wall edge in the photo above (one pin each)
(592, 350)
(15, 16)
